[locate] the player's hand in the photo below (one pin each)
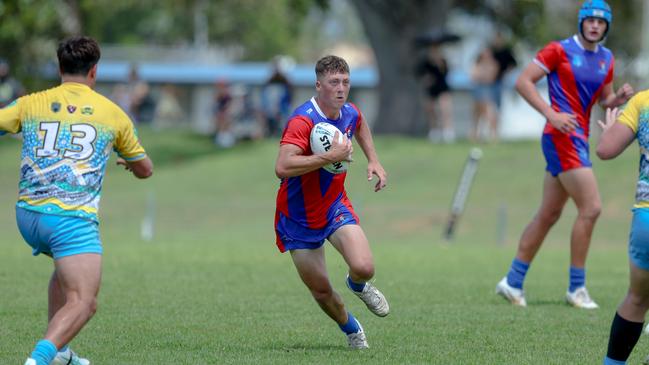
(122, 162)
(564, 122)
(340, 151)
(611, 117)
(375, 169)
(624, 93)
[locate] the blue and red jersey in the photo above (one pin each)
(576, 77)
(307, 199)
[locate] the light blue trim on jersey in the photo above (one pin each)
(58, 236)
(135, 158)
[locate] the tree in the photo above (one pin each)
(391, 28)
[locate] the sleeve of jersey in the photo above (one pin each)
(298, 131)
(631, 114)
(359, 120)
(127, 144)
(10, 117)
(548, 58)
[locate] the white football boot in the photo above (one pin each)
(513, 295)
(373, 299)
(69, 357)
(30, 361)
(580, 299)
(357, 340)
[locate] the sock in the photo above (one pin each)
(577, 278)
(44, 352)
(351, 326)
(517, 272)
(624, 336)
(355, 286)
(64, 348)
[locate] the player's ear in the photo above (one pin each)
(92, 74)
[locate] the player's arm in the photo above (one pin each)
(291, 160)
(613, 99)
(141, 169)
(526, 87)
(10, 117)
(374, 167)
(616, 136)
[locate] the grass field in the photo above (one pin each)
(211, 288)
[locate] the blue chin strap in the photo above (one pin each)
(595, 9)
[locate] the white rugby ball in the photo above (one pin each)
(322, 135)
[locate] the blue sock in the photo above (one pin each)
(44, 352)
(351, 326)
(608, 361)
(517, 272)
(577, 278)
(64, 348)
(355, 286)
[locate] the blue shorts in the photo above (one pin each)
(58, 236)
(564, 152)
(294, 236)
(639, 238)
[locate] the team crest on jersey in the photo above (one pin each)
(87, 110)
(71, 109)
(577, 61)
(56, 106)
(602, 67)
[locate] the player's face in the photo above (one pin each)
(593, 29)
(333, 90)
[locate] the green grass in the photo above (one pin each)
(212, 288)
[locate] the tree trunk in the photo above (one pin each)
(391, 27)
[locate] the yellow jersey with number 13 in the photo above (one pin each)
(69, 133)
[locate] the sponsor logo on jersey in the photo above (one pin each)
(87, 110)
(71, 109)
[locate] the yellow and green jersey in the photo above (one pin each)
(69, 133)
(636, 117)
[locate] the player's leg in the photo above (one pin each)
(628, 321)
(552, 203)
(311, 266)
(79, 277)
(351, 242)
(56, 300)
(581, 185)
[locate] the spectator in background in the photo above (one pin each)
(168, 111)
(433, 71)
(276, 98)
(135, 98)
(142, 104)
(483, 75)
(506, 62)
(223, 114)
(10, 88)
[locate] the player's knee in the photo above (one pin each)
(639, 301)
(549, 218)
(322, 294)
(364, 270)
(591, 212)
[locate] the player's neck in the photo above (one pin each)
(591, 46)
(331, 113)
(84, 80)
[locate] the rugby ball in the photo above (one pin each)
(322, 135)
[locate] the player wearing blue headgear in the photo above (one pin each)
(579, 72)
